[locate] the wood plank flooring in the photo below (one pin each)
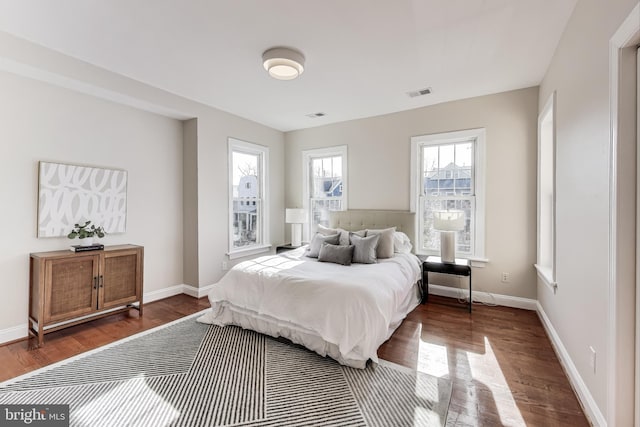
(500, 360)
(501, 363)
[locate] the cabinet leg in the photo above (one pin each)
(136, 307)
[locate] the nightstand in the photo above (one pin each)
(433, 264)
(285, 248)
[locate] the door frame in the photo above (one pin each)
(620, 268)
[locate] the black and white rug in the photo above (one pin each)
(190, 374)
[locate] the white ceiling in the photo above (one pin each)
(362, 56)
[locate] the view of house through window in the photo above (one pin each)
(447, 167)
(247, 191)
(246, 199)
(448, 185)
(325, 189)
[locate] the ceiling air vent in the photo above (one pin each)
(419, 92)
(315, 115)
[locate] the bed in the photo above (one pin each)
(344, 312)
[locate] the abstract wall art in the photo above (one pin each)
(70, 194)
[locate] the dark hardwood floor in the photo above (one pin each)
(500, 360)
(501, 363)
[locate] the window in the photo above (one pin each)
(248, 231)
(546, 193)
(447, 172)
(325, 185)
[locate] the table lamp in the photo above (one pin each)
(295, 217)
(447, 223)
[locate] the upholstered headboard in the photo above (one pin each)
(359, 219)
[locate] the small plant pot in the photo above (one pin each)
(87, 241)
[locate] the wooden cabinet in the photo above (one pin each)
(67, 288)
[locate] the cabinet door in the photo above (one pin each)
(120, 280)
(70, 287)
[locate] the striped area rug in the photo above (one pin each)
(190, 374)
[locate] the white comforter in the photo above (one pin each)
(353, 307)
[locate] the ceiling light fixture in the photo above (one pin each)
(283, 63)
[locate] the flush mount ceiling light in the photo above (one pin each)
(283, 63)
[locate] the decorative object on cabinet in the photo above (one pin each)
(85, 248)
(86, 234)
(70, 194)
(68, 288)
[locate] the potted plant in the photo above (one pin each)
(86, 233)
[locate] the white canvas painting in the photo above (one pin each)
(71, 194)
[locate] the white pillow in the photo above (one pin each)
(326, 230)
(401, 243)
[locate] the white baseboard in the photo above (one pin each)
(192, 291)
(22, 331)
(162, 293)
(196, 292)
(14, 333)
(584, 396)
(498, 299)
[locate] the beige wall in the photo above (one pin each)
(213, 207)
(41, 120)
(379, 153)
(579, 72)
(190, 202)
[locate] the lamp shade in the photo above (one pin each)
(448, 220)
(295, 216)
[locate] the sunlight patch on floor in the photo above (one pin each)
(432, 359)
(425, 417)
(123, 405)
(486, 370)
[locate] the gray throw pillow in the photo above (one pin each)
(359, 233)
(337, 254)
(344, 234)
(316, 243)
(385, 244)
(364, 248)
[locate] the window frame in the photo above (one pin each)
(547, 117)
(307, 157)
(478, 137)
(237, 145)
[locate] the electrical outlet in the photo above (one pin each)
(593, 359)
(224, 265)
(505, 278)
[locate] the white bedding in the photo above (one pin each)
(354, 308)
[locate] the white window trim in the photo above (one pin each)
(250, 148)
(478, 258)
(307, 155)
(547, 273)
(251, 250)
